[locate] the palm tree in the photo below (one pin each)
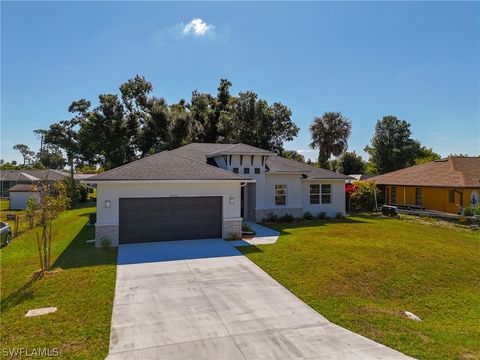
(330, 135)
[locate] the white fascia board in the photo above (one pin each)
(166, 181)
(326, 179)
(286, 172)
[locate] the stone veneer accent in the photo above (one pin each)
(232, 229)
(108, 231)
(261, 214)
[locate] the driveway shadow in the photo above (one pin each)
(174, 250)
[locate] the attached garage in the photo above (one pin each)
(169, 218)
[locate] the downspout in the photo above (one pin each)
(404, 197)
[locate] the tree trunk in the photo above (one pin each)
(72, 183)
(46, 260)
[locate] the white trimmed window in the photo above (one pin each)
(320, 194)
(280, 194)
(314, 194)
(326, 194)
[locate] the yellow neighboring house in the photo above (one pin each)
(445, 185)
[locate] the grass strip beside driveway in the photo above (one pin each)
(82, 289)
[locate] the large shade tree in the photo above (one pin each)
(25, 151)
(330, 134)
(392, 147)
(350, 163)
(135, 123)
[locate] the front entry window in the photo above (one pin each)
(280, 194)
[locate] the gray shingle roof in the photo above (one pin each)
(167, 165)
(31, 175)
(241, 149)
(280, 164)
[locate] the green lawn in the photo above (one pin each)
(361, 273)
(82, 291)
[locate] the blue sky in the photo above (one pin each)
(416, 60)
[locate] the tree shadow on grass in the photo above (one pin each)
(251, 249)
(20, 295)
(76, 255)
(80, 254)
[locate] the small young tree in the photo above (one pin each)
(53, 200)
(30, 209)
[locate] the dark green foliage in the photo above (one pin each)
(350, 163)
(322, 215)
(286, 218)
(78, 193)
(50, 157)
(308, 216)
(293, 155)
(135, 124)
(271, 218)
(364, 196)
(330, 134)
(392, 147)
(425, 155)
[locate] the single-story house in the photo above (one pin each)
(19, 195)
(206, 190)
(10, 178)
(447, 185)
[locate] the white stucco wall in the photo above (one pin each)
(18, 199)
(338, 197)
(112, 191)
(294, 191)
(247, 163)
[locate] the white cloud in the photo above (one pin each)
(197, 27)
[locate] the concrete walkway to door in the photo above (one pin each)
(202, 299)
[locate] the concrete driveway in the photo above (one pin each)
(202, 299)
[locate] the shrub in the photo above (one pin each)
(106, 243)
(247, 229)
(472, 210)
(339, 215)
(322, 215)
(82, 193)
(271, 217)
(308, 216)
(286, 218)
(364, 196)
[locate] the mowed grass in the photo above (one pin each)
(361, 273)
(82, 289)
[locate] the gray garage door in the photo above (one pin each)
(172, 218)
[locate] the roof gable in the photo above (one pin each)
(278, 164)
